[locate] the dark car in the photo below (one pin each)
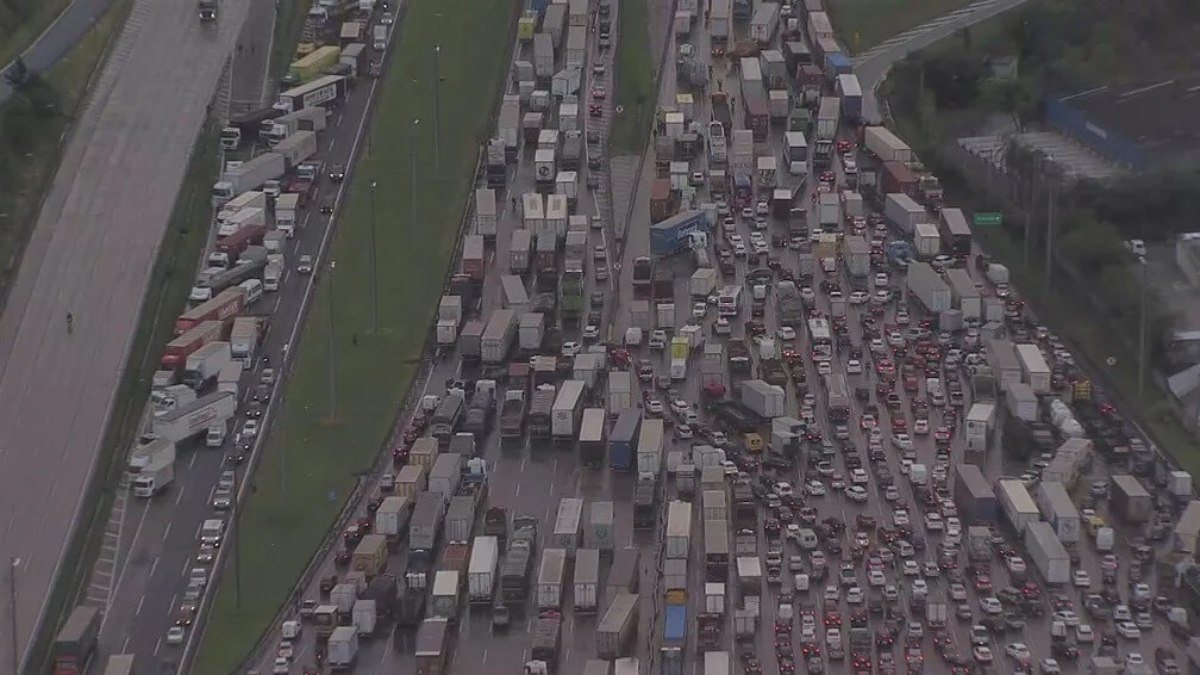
(337, 173)
(262, 393)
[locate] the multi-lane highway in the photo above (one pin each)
(530, 480)
(160, 535)
(90, 255)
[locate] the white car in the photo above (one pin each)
(1016, 565)
(1084, 634)
(722, 327)
(654, 407)
(783, 489)
(815, 488)
(859, 477)
(900, 518)
(921, 426)
(991, 605)
(911, 568)
(699, 310)
(854, 367)
(175, 635)
(571, 349)
(1069, 618)
(824, 368)
(1129, 630)
(858, 297)
(680, 406)
(958, 592)
(1122, 613)
(933, 522)
(249, 430)
(1050, 667)
(786, 333)
(902, 441)
(739, 249)
(1081, 579)
(1018, 651)
(982, 654)
(876, 578)
(856, 494)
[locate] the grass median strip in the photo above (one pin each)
(634, 95)
(862, 24)
(316, 451)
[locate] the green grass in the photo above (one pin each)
(289, 19)
(298, 497)
(862, 24)
(17, 35)
(635, 79)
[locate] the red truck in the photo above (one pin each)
(455, 558)
(664, 202)
(899, 178)
(181, 347)
(226, 305)
(237, 242)
(74, 644)
(754, 105)
(474, 257)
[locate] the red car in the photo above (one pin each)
(844, 145)
(833, 619)
(983, 583)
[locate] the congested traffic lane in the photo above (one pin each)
(526, 480)
(162, 533)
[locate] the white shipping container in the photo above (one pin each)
(586, 580)
(765, 399)
(927, 286)
(903, 212)
(1018, 506)
(1033, 368)
(550, 578)
(650, 447)
(679, 529)
(1049, 555)
(567, 525)
(599, 533)
(620, 391)
(481, 572)
(486, 215)
(1058, 510)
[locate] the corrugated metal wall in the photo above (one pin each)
(1076, 124)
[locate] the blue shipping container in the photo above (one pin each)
(675, 624)
(623, 438)
(671, 235)
(539, 6)
(837, 63)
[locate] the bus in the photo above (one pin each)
(821, 338)
(956, 233)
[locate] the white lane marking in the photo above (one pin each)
(179, 494)
(138, 611)
(167, 531)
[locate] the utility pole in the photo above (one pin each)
(1049, 234)
(1142, 318)
(13, 564)
(437, 111)
(374, 274)
(413, 151)
(332, 356)
(237, 539)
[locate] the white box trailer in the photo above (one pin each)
(601, 521)
(964, 293)
(679, 529)
(486, 215)
(550, 578)
(1018, 506)
(926, 284)
(716, 506)
(1034, 370)
(617, 626)
(717, 663)
(887, 146)
(568, 525)
(567, 411)
(767, 400)
(1059, 510)
(620, 391)
(1002, 359)
(1048, 553)
(904, 212)
(650, 447)
(586, 581)
(481, 571)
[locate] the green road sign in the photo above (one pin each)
(988, 219)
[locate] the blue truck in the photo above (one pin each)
(622, 440)
(675, 620)
(674, 235)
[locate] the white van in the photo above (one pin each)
(271, 277)
(254, 290)
(212, 531)
(379, 37)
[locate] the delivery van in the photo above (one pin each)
(379, 37)
(253, 289)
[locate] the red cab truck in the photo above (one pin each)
(899, 178)
(225, 305)
(74, 644)
(177, 351)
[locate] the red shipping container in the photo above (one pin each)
(226, 305)
(183, 346)
(237, 242)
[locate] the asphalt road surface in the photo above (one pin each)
(161, 535)
(91, 255)
(58, 39)
(873, 65)
(531, 480)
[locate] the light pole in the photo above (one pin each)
(332, 357)
(13, 564)
(437, 112)
(237, 540)
(413, 151)
(374, 275)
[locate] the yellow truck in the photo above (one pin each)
(314, 65)
(370, 556)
